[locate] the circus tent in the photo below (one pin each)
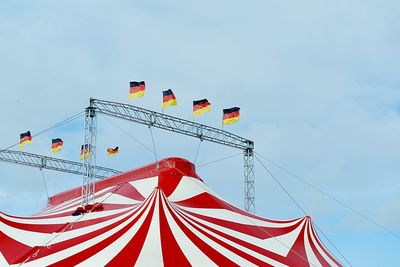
(165, 216)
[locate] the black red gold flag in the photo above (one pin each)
(231, 115)
(85, 152)
(169, 99)
(200, 107)
(136, 89)
(56, 145)
(112, 151)
(25, 138)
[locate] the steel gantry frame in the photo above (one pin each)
(89, 158)
(50, 163)
(170, 123)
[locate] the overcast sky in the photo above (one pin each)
(318, 83)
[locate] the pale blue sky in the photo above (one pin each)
(318, 83)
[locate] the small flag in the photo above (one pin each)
(25, 138)
(200, 107)
(136, 89)
(85, 151)
(112, 151)
(231, 115)
(168, 99)
(56, 145)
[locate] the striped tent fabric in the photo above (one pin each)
(151, 216)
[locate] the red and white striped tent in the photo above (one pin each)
(157, 217)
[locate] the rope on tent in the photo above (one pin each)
(299, 206)
(45, 185)
(330, 196)
(197, 151)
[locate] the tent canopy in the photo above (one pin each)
(157, 217)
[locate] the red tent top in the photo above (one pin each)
(157, 217)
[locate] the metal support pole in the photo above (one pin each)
(249, 181)
(89, 163)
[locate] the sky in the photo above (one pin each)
(318, 83)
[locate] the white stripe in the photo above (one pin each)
(151, 253)
(118, 199)
(28, 238)
(235, 217)
(320, 250)
(145, 186)
(249, 239)
(82, 246)
(102, 257)
(312, 259)
(189, 187)
(3, 261)
(93, 227)
(222, 250)
(280, 245)
(75, 201)
(194, 255)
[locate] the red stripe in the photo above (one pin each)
(237, 251)
(168, 98)
(201, 106)
(55, 145)
(251, 230)
(172, 253)
(39, 228)
(11, 249)
(127, 190)
(231, 115)
(83, 255)
(80, 239)
(214, 255)
(136, 89)
(297, 255)
(243, 243)
(26, 138)
(130, 253)
(320, 258)
(323, 247)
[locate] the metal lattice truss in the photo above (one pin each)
(50, 163)
(185, 127)
(249, 181)
(89, 163)
(170, 123)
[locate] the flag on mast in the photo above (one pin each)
(24, 139)
(200, 107)
(169, 99)
(112, 151)
(85, 152)
(136, 89)
(56, 145)
(231, 115)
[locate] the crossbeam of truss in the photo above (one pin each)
(50, 163)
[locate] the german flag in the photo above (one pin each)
(136, 89)
(112, 151)
(231, 115)
(200, 107)
(85, 152)
(56, 145)
(25, 138)
(169, 99)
